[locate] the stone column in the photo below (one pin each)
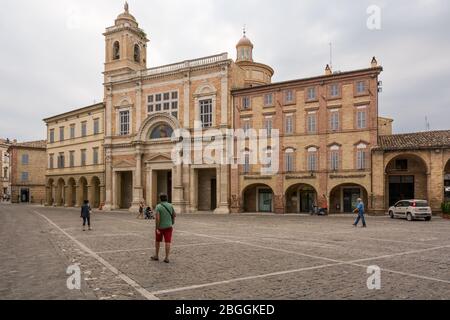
(223, 190)
(224, 100)
(137, 181)
(193, 194)
(108, 182)
(67, 199)
(178, 197)
(102, 197)
(187, 99)
(90, 194)
(78, 195)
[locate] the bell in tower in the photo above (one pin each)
(126, 45)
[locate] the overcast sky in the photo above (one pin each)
(52, 51)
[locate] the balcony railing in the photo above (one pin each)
(175, 67)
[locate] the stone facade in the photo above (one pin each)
(27, 166)
(75, 158)
(331, 148)
(5, 184)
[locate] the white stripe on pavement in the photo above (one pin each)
(146, 294)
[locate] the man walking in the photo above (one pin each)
(360, 210)
(165, 219)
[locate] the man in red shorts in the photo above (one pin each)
(165, 219)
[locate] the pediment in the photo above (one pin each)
(160, 157)
(124, 164)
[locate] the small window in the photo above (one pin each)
(24, 177)
(174, 95)
(361, 121)
(361, 87)
(289, 124)
(96, 126)
(361, 161)
(334, 90)
(334, 159)
(289, 96)
(83, 157)
(312, 123)
(268, 100)
(289, 160)
(95, 156)
(52, 136)
(61, 134)
(84, 129)
(72, 131)
(401, 164)
(158, 97)
(175, 105)
(61, 161)
(334, 121)
(206, 113)
(50, 161)
(124, 122)
(25, 159)
(311, 94)
(312, 159)
(246, 103)
(72, 159)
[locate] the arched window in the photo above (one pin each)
(116, 51)
(137, 53)
(334, 157)
(289, 160)
(361, 156)
(161, 131)
(312, 161)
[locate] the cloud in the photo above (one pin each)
(52, 52)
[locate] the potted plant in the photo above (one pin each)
(446, 210)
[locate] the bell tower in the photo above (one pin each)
(126, 45)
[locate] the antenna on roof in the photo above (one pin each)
(427, 124)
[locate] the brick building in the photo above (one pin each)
(27, 166)
(334, 147)
(328, 125)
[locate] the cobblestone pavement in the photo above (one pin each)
(221, 257)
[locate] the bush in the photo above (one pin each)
(446, 207)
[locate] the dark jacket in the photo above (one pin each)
(85, 211)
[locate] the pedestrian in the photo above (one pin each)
(149, 214)
(165, 219)
(141, 211)
(360, 210)
(86, 215)
(324, 206)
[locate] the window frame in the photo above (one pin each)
(203, 114)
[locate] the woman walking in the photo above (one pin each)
(86, 215)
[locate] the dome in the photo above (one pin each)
(244, 42)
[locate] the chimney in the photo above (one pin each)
(328, 71)
(374, 63)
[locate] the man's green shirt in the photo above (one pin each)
(165, 211)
